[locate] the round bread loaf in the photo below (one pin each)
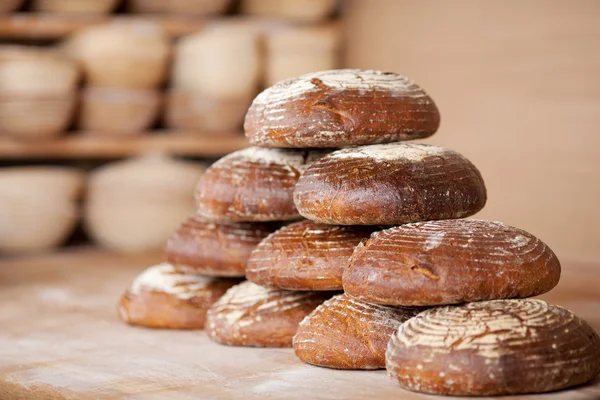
(305, 256)
(251, 315)
(253, 184)
(215, 249)
(448, 262)
(389, 184)
(161, 297)
(339, 108)
(348, 334)
(491, 348)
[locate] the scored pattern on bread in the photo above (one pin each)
(251, 315)
(389, 184)
(161, 297)
(215, 249)
(450, 261)
(304, 256)
(253, 184)
(348, 334)
(165, 278)
(494, 348)
(337, 108)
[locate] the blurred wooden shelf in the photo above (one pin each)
(79, 145)
(55, 26)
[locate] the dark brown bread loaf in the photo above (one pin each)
(493, 348)
(347, 334)
(161, 297)
(215, 249)
(251, 315)
(340, 108)
(253, 184)
(305, 256)
(389, 184)
(448, 262)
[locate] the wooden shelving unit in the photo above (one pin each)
(83, 145)
(56, 26)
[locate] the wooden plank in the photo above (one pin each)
(61, 339)
(56, 26)
(86, 145)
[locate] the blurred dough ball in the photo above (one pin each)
(296, 10)
(297, 50)
(75, 6)
(38, 207)
(184, 7)
(135, 205)
(37, 92)
(127, 54)
(222, 61)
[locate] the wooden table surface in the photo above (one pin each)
(60, 339)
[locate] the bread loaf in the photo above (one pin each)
(215, 249)
(78, 7)
(126, 55)
(251, 315)
(448, 262)
(347, 334)
(253, 184)
(490, 348)
(203, 114)
(118, 111)
(304, 256)
(183, 7)
(295, 10)
(293, 50)
(161, 297)
(341, 108)
(389, 184)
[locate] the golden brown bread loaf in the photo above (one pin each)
(348, 334)
(251, 315)
(339, 108)
(389, 184)
(493, 348)
(161, 297)
(253, 184)
(305, 256)
(448, 262)
(215, 249)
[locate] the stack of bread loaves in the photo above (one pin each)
(451, 293)
(497, 341)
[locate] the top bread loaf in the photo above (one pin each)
(339, 108)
